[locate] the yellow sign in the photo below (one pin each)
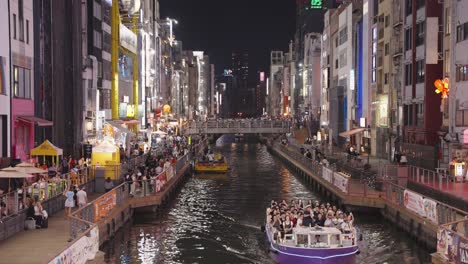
(130, 110)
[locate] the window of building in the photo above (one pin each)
(408, 39)
(408, 73)
(21, 82)
(419, 108)
(97, 39)
(448, 23)
(343, 35)
(14, 26)
(408, 7)
(343, 59)
(461, 118)
(447, 62)
(336, 42)
(387, 49)
(97, 11)
(20, 20)
(462, 32)
(420, 71)
(419, 34)
(408, 115)
(27, 31)
(99, 73)
(386, 78)
(387, 20)
(462, 73)
(336, 64)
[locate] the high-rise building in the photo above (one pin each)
(422, 118)
(273, 91)
(310, 72)
(240, 68)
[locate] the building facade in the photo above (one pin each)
(422, 118)
(22, 76)
(5, 88)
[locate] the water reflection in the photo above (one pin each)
(216, 218)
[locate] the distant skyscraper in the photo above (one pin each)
(240, 68)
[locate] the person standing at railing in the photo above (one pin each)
(108, 184)
(82, 197)
(69, 202)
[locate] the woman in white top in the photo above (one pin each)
(69, 202)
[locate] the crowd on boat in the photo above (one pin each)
(283, 217)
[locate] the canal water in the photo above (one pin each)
(216, 218)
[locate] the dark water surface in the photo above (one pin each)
(216, 218)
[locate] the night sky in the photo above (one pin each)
(221, 27)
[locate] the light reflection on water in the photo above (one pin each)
(216, 218)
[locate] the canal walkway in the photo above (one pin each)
(39, 245)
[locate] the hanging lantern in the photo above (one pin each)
(442, 87)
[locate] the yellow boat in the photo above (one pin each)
(218, 164)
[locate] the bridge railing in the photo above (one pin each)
(238, 124)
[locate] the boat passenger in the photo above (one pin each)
(346, 226)
(328, 221)
(287, 226)
(307, 220)
(319, 221)
(299, 220)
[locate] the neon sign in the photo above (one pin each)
(442, 87)
(315, 4)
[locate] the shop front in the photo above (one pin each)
(24, 121)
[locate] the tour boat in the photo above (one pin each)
(218, 164)
(317, 245)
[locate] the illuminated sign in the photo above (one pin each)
(262, 76)
(227, 73)
(315, 4)
(442, 87)
(128, 39)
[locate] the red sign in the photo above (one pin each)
(104, 204)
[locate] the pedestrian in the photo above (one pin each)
(69, 202)
(64, 165)
(82, 197)
(108, 184)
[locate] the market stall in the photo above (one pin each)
(47, 149)
(106, 155)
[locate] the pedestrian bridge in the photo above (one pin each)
(244, 126)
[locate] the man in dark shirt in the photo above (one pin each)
(309, 155)
(307, 221)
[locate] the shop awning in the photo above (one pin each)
(351, 132)
(119, 126)
(36, 120)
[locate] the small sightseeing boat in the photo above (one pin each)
(317, 245)
(216, 164)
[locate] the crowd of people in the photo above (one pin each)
(146, 177)
(317, 156)
(283, 217)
